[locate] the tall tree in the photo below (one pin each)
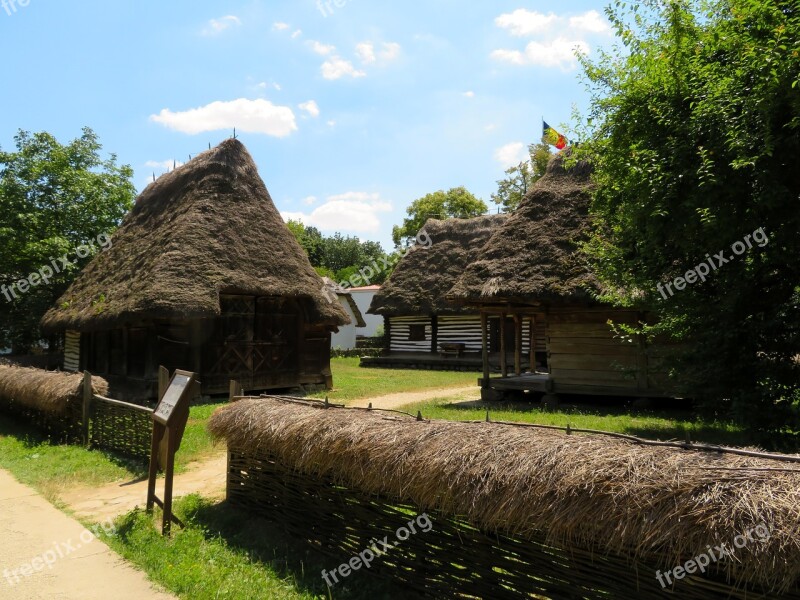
(520, 179)
(456, 202)
(54, 199)
(696, 147)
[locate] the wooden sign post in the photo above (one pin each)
(169, 423)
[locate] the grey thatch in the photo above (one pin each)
(337, 289)
(420, 282)
(207, 227)
(49, 392)
(654, 505)
(533, 257)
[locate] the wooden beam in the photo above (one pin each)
(87, 403)
(503, 362)
(434, 334)
(485, 348)
(517, 345)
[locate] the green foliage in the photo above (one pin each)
(53, 199)
(456, 202)
(696, 145)
(520, 179)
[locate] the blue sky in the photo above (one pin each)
(351, 108)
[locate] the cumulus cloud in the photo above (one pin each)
(251, 116)
(556, 53)
(524, 22)
(320, 48)
(591, 21)
(279, 26)
(310, 107)
(511, 154)
(558, 38)
(469, 94)
(352, 211)
(164, 165)
(217, 26)
(297, 33)
(368, 54)
(336, 67)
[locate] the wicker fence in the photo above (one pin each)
(454, 559)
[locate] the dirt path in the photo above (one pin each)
(395, 401)
(46, 554)
(208, 477)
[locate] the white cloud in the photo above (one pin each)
(557, 53)
(366, 52)
(332, 123)
(352, 211)
(264, 85)
(251, 116)
(469, 94)
(310, 200)
(320, 48)
(278, 26)
(592, 22)
(336, 67)
(511, 154)
(523, 22)
(297, 33)
(310, 107)
(164, 165)
(217, 26)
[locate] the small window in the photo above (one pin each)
(416, 333)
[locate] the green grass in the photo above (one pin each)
(652, 424)
(225, 553)
(351, 382)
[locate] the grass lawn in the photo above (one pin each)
(351, 382)
(225, 553)
(653, 424)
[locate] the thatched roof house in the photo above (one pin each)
(202, 262)
(419, 317)
(532, 268)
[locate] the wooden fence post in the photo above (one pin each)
(235, 389)
(163, 381)
(87, 404)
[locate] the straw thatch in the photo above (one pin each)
(657, 506)
(207, 227)
(49, 392)
(534, 256)
(420, 282)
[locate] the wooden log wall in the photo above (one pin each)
(72, 351)
(400, 330)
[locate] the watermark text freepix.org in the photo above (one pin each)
(365, 275)
(56, 266)
(60, 550)
(366, 557)
(326, 6)
(704, 269)
(701, 561)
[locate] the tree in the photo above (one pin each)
(55, 200)
(512, 189)
(457, 202)
(695, 148)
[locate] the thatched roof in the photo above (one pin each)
(207, 227)
(420, 282)
(655, 505)
(533, 257)
(343, 293)
(49, 392)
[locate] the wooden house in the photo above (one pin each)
(423, 326)
(532, 270)
(202, 275)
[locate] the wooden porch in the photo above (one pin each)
(468, 361)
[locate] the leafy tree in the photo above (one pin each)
(520, 179)
(457, 202)
(695, 147)
(53, 199)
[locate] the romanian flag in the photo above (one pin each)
(552, 137)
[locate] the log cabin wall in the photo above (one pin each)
(410, 334)
(585, 356)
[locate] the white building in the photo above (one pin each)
(345, 338)
(363, 298)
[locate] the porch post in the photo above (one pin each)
(517, 345)
(503, 362)
(485, 348)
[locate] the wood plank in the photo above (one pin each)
(591, 362)
(576, 346)
(594, 377)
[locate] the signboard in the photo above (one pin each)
(178, 387)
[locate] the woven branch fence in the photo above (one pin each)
(321, 503)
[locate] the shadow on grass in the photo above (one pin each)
(288, 557)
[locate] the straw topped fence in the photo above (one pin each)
(548, 513)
